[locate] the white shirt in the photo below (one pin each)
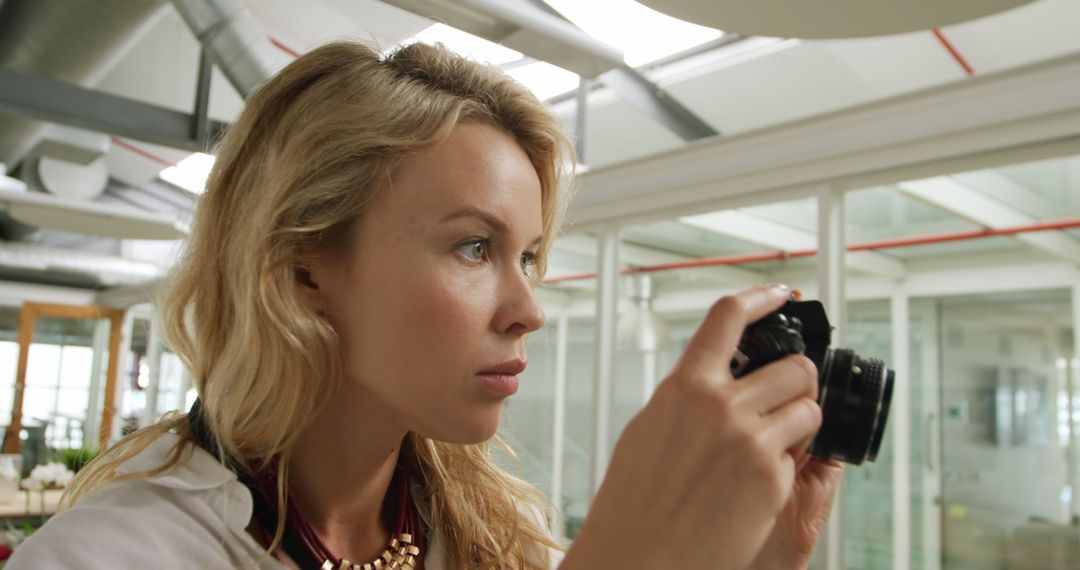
(193, 516)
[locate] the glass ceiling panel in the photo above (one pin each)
(466, 44)
(542, 78)
(1046, 189)
(880, 213)
(956, 248)
(624, 23)
(677, 238)
(800, 214)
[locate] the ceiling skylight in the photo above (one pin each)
(643, 34)
(542, 78)
(466, 44)
(545, 80)
(190, 173)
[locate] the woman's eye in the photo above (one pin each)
(475, 250)
(528, 265)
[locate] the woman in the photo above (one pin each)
(353, 305)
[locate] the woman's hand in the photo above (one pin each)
(791, 544)
(701, 473)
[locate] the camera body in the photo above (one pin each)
(854, 392)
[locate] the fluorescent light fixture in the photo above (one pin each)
(466, 44)
(190, 173)
(643, 34)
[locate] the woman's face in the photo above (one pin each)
(434, 301)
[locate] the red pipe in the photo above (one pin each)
(284, 47)
(141, 152)
(872, 245)
(952, 51)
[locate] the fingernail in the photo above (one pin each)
(780, 286)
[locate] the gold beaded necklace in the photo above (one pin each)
(402, 552)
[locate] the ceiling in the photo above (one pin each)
(743, 86)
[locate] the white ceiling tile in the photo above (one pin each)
(618, 131)
(304, 25)
(892, 65)
(802, 81)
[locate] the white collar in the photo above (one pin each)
(198, 470)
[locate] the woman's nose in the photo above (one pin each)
(521, 313)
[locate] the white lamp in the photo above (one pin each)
(828, 18)
(640, 330)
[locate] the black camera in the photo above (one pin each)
(854, 392)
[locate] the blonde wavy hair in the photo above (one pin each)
(294, 175)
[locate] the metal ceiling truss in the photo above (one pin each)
(960, 199)
(55, 101)
(647, 96)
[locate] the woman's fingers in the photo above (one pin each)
(792, 424)
(709, 352)
(778, 383)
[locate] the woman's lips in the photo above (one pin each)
(499, 384)
(502, 379)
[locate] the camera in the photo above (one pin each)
(854, 392)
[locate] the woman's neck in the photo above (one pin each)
(340, 474)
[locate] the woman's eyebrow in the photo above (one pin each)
(486, 217)
(482, 215)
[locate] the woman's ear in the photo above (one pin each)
(308, 287)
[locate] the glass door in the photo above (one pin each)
(59, 349)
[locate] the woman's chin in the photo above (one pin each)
(470, 431)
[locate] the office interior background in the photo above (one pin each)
(924, 184)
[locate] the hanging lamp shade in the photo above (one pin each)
(640, 328)
(820, 19)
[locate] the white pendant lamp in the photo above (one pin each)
(640, 328)
(819, 19)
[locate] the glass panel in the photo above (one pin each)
(1005, 489)
(9, 361)
(58, 377)
(528, 417)
(924, 389)
(801, 214)
(1045, 189)
(528, 420)
(171, 390)
(868, 488)
(577, 442)
(682, 239)
(42, 378)
(880, 213)
(136, 378)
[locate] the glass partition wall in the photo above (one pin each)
(964, 284)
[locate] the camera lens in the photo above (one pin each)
(854, 394)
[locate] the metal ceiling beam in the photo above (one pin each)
(1027, 113)
(229, 33)
(55, 101)
(647, 96)
(654, 101)
(773, 235)
(967, 202)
